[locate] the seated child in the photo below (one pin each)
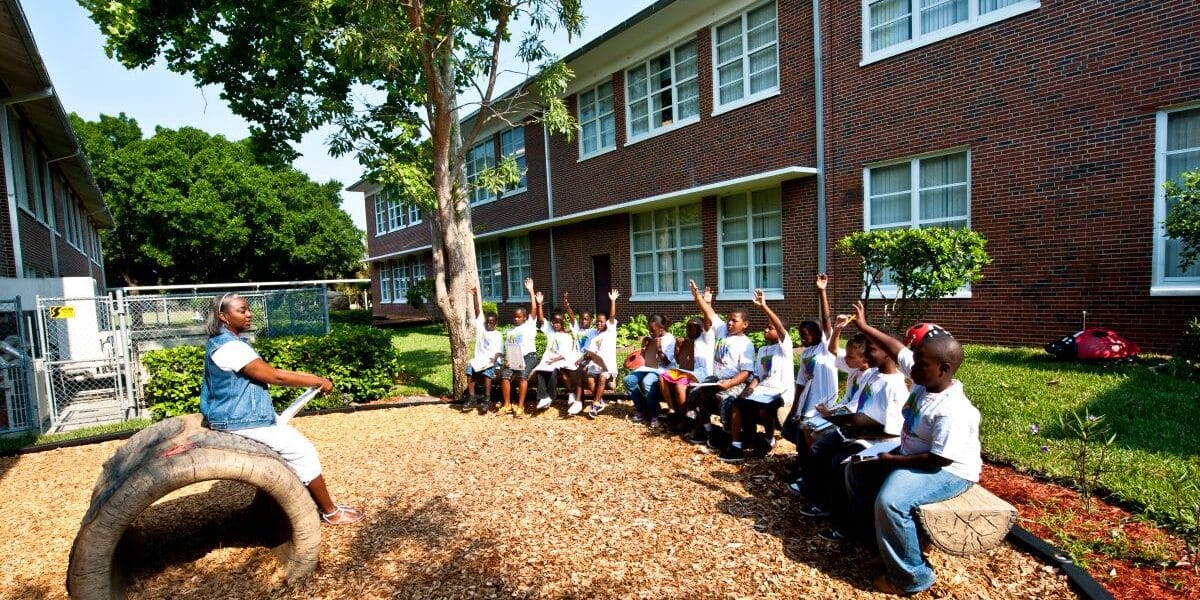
(658, 351)
(770, 388)
(559, 356)
(520, 355)
(732, 366)
(938, 456)
(816, 379)
(489, 350)
(598, 363)
(693, 357)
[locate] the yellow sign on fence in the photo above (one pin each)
(62, 312)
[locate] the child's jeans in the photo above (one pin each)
(547, 384)
(642, 389)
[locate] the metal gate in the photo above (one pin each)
(17, 411)
(84, 362)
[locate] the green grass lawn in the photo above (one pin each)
(1156, 417)
(31, 439)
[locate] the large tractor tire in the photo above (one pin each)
(170, 455)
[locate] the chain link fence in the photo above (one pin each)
(17, 412)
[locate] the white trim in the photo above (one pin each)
(1160, 284)
(676, 121)
(746, 182)
(888, 292)
(660, 297)
(974, 21)
(598, 119)
(380, 257)
(597, 153)
(10, 192)
(677, 249)
(629, 141)
(748, 98)
(747, 101)
(747, 296)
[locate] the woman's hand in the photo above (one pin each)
(326, 386)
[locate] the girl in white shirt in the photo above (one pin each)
(520, 355)
(598, 363)
(489, 350)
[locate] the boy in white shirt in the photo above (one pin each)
(598, 363)
(816, 379)
(489, 350)
(770, 388)
(520, 355)
(732, 366)
(938, 457)
(559, 357)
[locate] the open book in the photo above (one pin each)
(765, 394)
(873, 451)
(482, 363)
(296, 405)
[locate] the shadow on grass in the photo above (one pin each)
(424, 354)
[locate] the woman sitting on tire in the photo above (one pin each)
(234, 398)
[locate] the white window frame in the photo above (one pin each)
(396, 212)
(676, 122)
(381, 213)
(1161, 285)
(400, 274)
(915, 221)
(683, 293)
(385, 282)
(418, 269)
(414, 215)
(747, 97)
(517, 271)
(598, 119)
(975, 20)
(16, 137)
(490, 248)
(746, 294)
(518, 153)
(484, 152)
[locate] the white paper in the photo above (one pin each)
(817, 424)
(873, 451)
(296, 405)
(513, 357)
(765, 394)
(482, 363)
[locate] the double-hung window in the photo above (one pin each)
(663, 91)
(481, 157)
(414, 215)
(1178, 151)
(400, 280)
(381, 216)
(518, 262)
(746, 61)
(894, 26)
(385, 283)
(487, 262)
(929, 191)
(668, 250)
(395, 211)
(418, 270)
(16, 140)
(597, 123)
(512, 143)
(751, 242)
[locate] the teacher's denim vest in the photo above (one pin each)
(229, 400)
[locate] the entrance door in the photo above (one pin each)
(602, 280)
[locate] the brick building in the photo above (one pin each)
(734, 143)
(53, 209)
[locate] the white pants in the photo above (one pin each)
(299, 453)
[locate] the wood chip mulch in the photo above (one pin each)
(469, 506)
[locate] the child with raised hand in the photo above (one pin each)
(938, 456)
(770, 388)
(693, 356)
(559, 355)
(598, 363)
(732, 366)
(582, 327)
(849, 360)
(489, 352)
(520, 354)
(816, 379)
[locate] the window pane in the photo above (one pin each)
(689, 99)
(890, 180)
(643, 242)
(937, 14)
(666, 271)
(768, 263)
(736, 255)
(608, 132)
(637, 83)
(685, 62)
(643, 221)
(731, 82)
(986, 6)
(763, 72)
(1183, 130)
(664, 218)
(689, 215)
(1180, 163)
(761, 35)
(943, 170)
(604, 102)
(639, 117)
(690, 236)
(765, 201)
(734, 230)
(944, 202)
(768, 225)
(729, 41)
(891, 23)
(645, 283)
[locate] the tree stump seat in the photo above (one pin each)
(973, 522)
(171, 455)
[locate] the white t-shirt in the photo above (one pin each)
(234, 356)
(732, 354)
(667, 343)
(774, 369)
(702, 350)
(523, 335)
(818, 376)
(942, 423)
(853, 380)
(487, 343)
(604, 344)
(560, 343)
(882, 399)
(583, 337)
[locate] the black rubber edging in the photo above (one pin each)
(123, 435)
(1079, 580)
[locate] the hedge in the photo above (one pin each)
(361, 362)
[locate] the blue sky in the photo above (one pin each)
(89, 83)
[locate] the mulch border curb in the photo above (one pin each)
(1018, 536)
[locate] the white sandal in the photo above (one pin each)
(327, 517)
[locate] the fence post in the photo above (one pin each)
(325, 305)
(121, 312)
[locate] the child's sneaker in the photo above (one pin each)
(506, 410)
(814, 512)
(833, 535)
(596, 409)
(797, 487)
(544, 403)
(469, 405)
(732, 454)
(654, 424)
(637, 418)
(575, 407)
(699, 436)
(519, 412)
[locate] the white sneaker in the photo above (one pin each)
(544, 402)
(575, 408)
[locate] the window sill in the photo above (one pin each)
(515, 192)
(949, 32)
(1179, 289)
(629, 141)
(743, 295)
(890, 294)
(747, 101)
(481, 203)
(36, 218)
(660, 298)
(601, 152)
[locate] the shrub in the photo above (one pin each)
(1183, 220)
(631, 332)
(350, 317)
(361, 361)
(1188, 347)
(491, 307)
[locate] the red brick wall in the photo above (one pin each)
(406, 238)
(522, 207)
(400, 308)
(35, 243)
(8, 268)
(1058, 109)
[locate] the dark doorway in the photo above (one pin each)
(602, 280)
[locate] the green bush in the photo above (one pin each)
(1188, 347)
(361, 361)
(490, 307)
(350, 317)
(631, 332)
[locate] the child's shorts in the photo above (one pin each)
(490, 372)
(531, 361)
(594, 370)
(676, 376)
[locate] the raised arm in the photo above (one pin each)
(826, 324)
(478, 301)
(705, 306)
(839, 324)
(533, 304)
(612, 304)
(760, 300)
(892, 345)
(567, 308)
(541, 314)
